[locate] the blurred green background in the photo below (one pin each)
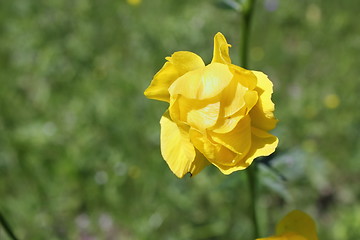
(79, 143)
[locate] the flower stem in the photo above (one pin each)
(253, 183)
(7, 227)
(247, 13)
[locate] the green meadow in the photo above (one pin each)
(79, 143)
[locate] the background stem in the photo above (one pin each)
(247, 14)
(253, 183)
(7, 227)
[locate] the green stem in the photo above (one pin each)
(7, 227)
(253, 183)
(247, 13)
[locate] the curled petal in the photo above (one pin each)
(177, 150)
(200, 114)
(221, 49)
(178, 64)
(203, 144)
(262, 113)
(215, 153)
(245, 77)
(251, 98)
(202, 83)
(232, 98)
(263, 144)
(203, 115)
(238, 140)
(199, 163)
(265, 90)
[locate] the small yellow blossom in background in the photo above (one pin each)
(134, 2)
(331, 101)
(219, 113)
(296, 225)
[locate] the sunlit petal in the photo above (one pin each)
(177, 150)
(178, 64)
(245, 77)
(202, 83)
(221, 49)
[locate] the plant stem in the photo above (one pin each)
(248, 9)
(253, 183)
(247, 13)
(7, 227)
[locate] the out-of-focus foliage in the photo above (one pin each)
(79, 143)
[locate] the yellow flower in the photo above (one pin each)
(134, 2)
(296, 225)
(331, 101)
(219, 113)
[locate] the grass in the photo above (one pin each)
(79, 143)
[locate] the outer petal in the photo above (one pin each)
(262, 114)
(230, 168)
(245, 77)
(298, 222)
(178, 64)
(263, 144)
(177, 150)
(202, 83)
(199, 163)
(221, 49)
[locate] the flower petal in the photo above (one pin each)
(221, 49)
(263, 144)
(245, 77)
(232, 98)
(203, 115)
(199, 163)
(200, 114)
(251, 98)
(215, 153)
(298, 222)
(203, 144)
(202, 83)
(177, 150)
(238, 140)
(262, 114)
(178, 64)
(227, 124)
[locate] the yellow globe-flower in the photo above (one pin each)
(296, 225)
(219, 113)
(134, 2)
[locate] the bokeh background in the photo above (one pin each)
(79, 143)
